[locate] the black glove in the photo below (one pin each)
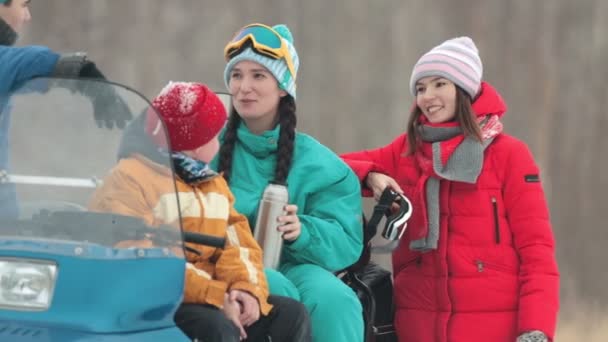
(108, 107)
(71, 65)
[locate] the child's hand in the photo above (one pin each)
(250, 308)
(290, 223)
(232, 310)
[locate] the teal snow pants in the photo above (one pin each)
(335, 311)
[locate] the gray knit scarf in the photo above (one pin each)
(463, 165)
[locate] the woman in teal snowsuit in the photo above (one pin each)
(322, 228)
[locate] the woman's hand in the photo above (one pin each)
(250, 312)
(377, 182)
(290, 223)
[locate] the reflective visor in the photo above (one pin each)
(262, 35)
(263, 39)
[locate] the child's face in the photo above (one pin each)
(207, 152)
(16, 14)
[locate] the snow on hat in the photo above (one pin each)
(455, 59)
(192, 113)
(277, 67)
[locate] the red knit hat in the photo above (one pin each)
(192, 113)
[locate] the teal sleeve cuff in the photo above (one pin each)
(301, 242)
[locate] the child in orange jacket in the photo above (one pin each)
(226, 295)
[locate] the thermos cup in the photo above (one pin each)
(272, 205)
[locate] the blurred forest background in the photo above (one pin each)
(547, 58)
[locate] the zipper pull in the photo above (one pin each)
(496, 221)
(479, 266)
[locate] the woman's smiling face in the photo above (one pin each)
(436, 98)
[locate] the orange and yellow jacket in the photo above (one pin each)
(138, 187)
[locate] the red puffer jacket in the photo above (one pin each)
(494, 274)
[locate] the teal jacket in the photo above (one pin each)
(323, 187)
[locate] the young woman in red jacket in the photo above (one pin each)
(476, 262)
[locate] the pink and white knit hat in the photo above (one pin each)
(455, 59)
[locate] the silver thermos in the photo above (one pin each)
(272, 205)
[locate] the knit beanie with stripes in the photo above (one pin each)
(455, 59)
(277, 67)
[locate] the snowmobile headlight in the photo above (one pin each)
(26, 284)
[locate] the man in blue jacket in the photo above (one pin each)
(19, 64)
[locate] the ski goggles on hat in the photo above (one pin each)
(396, 221)
(264, 40)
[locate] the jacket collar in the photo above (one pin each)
(489, 102)
(8, 36)
(261, 145)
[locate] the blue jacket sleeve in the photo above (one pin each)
(19, 64)
(332, 231)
